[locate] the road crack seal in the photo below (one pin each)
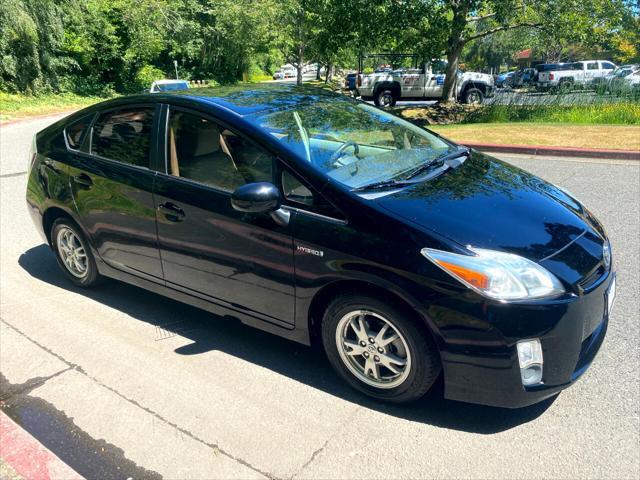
(9, 175)
(189, 434)
(90, 457)
(8, 390)
(324, 445)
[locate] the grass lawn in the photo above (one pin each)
(623, 137)
(16, 106)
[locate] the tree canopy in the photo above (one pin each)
(100, 46)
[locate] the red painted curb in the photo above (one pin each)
(28, 457)
(556, 151)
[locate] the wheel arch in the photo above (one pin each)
(339, 287)
(395, 88)
(53, 213)
(471, 84)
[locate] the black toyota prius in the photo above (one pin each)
(326, 220)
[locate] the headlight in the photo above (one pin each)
(497, 275)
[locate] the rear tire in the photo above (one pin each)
(365, 354)
(73, 253)
(565, 87)
(385, 98)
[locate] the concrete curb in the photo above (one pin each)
(29, 458)
(13, 121)
(556, 151)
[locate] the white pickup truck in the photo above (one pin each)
(387, 87)
(577, 74)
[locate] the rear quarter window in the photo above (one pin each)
(76, 133)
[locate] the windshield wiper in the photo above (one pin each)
(443, 161)
(383, 184)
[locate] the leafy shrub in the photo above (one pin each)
(145, 76)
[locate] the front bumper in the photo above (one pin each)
(484, 367)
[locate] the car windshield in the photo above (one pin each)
(352, 142)
(622, 72)
(166, 87)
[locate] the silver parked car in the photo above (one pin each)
(168, 86)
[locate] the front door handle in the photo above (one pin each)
(84, 180)
(172, 212)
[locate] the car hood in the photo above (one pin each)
(487, 203)
(485, 77)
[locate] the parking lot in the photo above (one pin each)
(120, 382)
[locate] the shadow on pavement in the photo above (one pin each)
(303, 364)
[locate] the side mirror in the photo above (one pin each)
(261, 197)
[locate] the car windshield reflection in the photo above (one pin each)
(353, 143)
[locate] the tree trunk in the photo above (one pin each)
(328, 74)
(299, 74)
(300, 63)
(455, 43)
(449, 93)
(318, 71)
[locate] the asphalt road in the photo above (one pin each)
(123, 383)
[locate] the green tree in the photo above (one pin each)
(461, 22)
(30, 46)
(299, 20)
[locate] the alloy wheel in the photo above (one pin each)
(373, 349)
(474, 98)
(72, 252)
(386, 100)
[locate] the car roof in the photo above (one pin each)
(238, 100)
(246, 99)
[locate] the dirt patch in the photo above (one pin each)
(438, 114)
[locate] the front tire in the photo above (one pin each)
(473, 96)
(385, 98)
(73, 253)
(379, 349)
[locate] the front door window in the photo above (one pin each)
(201, 150)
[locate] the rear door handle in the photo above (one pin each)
(84, 180)
(172, 212)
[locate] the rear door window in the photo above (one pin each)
(592, 66)
(124, 135)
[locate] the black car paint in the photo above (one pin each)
(277, 277)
